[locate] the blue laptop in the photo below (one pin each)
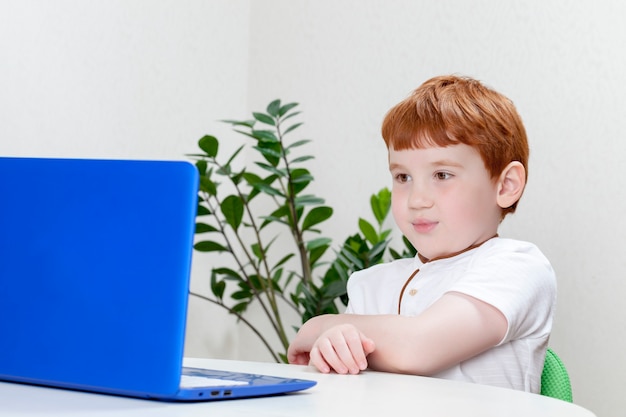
(95, 260)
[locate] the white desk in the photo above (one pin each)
(367, 394)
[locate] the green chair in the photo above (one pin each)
(555, 381)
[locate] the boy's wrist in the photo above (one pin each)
(322, 323)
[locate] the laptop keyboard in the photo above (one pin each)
(192, 381)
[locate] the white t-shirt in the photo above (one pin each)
(513, 276)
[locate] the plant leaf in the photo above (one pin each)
(228, 274)
(241, 295)
(368, 231)
(315, 216)
(205, 228)
(208, 186)
(202, 166)
(283, 260)
(268, 189)
(265, 136)
(302, 159)
(290, 115)
(380, 204)
(232, 209)
(264, 118)
(239, 308)
(232, 157)
(316, 253)
(202, 211)
(300, 178)
(256, 249)
(315, 243)
(292, 127)
(209, 144)
(279, 172)
(209, 246)
(308, 200)
(246, 123)
(274, 108)
(271, 153)
(217, 287)
(284, 109)
(298, 143)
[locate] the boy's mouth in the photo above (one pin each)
(424, 226)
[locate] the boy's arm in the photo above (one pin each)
(455, 328)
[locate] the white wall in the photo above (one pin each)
(139, 79)
(145, 79)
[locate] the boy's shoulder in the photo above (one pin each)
(508, 245)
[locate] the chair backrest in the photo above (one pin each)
(555, 380)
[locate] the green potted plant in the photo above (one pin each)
(243, 213)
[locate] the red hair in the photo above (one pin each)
(450, 110)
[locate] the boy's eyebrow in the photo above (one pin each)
(393, 165)
(447, 162)
(439, 163)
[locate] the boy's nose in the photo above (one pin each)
(419, 197)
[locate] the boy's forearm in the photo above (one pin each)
(453, 329)
(402, 344)
(390, 334)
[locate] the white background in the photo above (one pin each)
(146, 79)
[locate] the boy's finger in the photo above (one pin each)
(317, 360)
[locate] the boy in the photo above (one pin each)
(471, 306)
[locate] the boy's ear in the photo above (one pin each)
(511, 184)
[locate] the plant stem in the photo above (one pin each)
(243, 319)
(306, 277)
(266, 286)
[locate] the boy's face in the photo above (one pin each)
(443, 199)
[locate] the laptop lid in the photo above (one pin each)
(95, 260)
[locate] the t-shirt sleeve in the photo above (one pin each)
(517, 280)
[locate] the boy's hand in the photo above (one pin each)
(343, 349)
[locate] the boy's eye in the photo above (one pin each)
(442, 175)
(402, 178)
